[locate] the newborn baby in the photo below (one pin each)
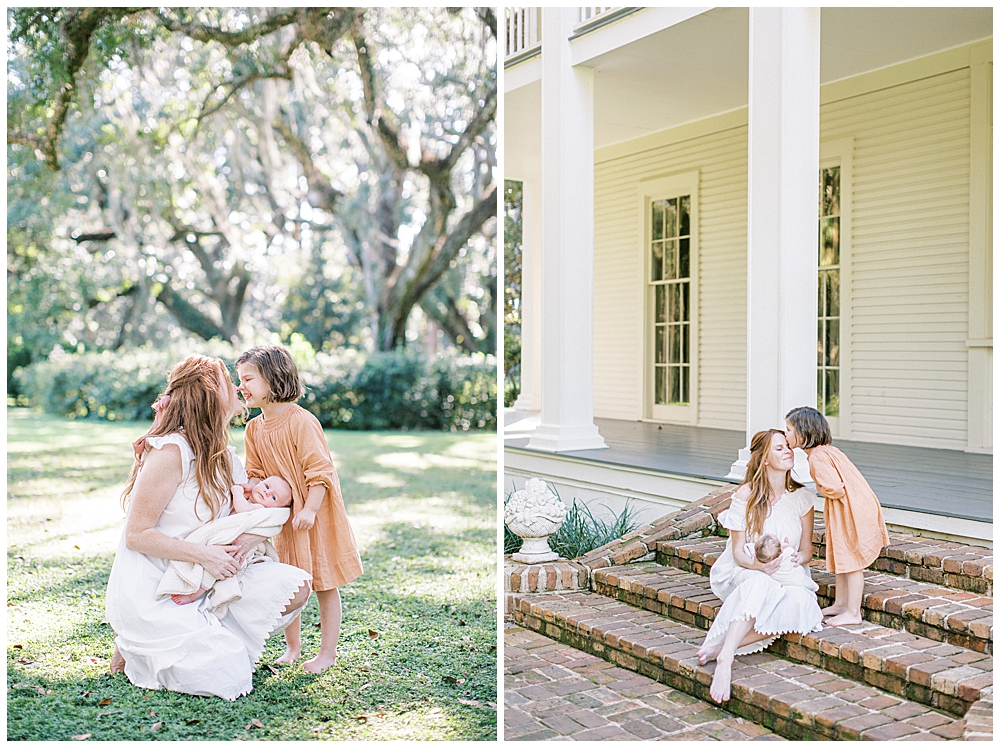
(789, 574)
(271, 493)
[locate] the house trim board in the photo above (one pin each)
(656, 491)
(876, 80)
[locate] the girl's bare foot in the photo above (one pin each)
(706, 654)
(844, 619)
(833, 610)
(290, 656)
(722, 680)
(320, 663)
(117, 661)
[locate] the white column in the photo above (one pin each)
(567, 417)
(530, 397)
(782, 215)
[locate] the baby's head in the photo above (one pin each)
(272, 492)
(767, 548)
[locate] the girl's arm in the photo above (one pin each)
(826, 477)
(749, 561)
(317, 466)
(155, 485)
(305, 518)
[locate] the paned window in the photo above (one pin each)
(670, 276)
(828, 316)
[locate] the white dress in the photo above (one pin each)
(186, 648)
(746, 593)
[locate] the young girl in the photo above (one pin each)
(287, 440)
(855, 529)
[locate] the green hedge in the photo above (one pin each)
(396, 390)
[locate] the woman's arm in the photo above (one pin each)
(156, 483)
(804, 553)
(749, 561)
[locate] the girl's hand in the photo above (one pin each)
(304, 519)
(218, 560)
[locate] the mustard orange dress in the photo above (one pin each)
(291, 445)
(855, 529)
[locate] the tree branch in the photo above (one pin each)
(321, 193)
(375, 109)
(488, 16)
(204, 33)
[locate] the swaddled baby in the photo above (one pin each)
(789, 574)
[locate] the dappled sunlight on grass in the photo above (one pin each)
(417, 655)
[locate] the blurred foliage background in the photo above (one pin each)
(513, 201)
(322, 178)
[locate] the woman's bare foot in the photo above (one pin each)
(833, 610)
(722, 680)
(320, 663)
(290, 656)
(185, 599)
(706, 654)
(844, 619)
(117, 661)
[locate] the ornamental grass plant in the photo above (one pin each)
(581, 532)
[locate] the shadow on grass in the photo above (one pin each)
(406, 660)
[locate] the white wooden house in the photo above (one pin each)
(730, 212)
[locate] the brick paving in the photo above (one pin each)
(555, 692)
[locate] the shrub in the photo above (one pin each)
(395, 390)
(581, 532)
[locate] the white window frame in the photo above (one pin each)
(649, 191)
(840, 153)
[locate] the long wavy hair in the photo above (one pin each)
(756, 477)
(196, 411)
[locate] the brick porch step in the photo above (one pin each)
(920, 669)
(943, 614)
(941, 562)
(796, 700)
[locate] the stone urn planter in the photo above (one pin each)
(534, 513)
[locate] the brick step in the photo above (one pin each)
(796, 700)
(930, 672)
(943, 614)
(943, 562)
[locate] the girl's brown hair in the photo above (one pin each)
(811, 426)
(196, 411)
(276, 366)
(756, 477)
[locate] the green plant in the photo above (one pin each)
(581, 532)
(392, 390)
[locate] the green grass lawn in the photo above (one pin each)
(417, 654)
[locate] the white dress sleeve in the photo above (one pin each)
(187, 455)
(806, 501)
(735, 518)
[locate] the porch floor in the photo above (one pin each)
(931, 481)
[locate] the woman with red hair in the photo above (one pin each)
(180, 482)
(756, 608)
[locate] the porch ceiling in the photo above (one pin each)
(698, 68)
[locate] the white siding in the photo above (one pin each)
(909, 291)
(909, 264)
(618, 293)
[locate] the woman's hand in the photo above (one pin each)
(243, 545)
(304, 519)
(768, 568)
(218, 560)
